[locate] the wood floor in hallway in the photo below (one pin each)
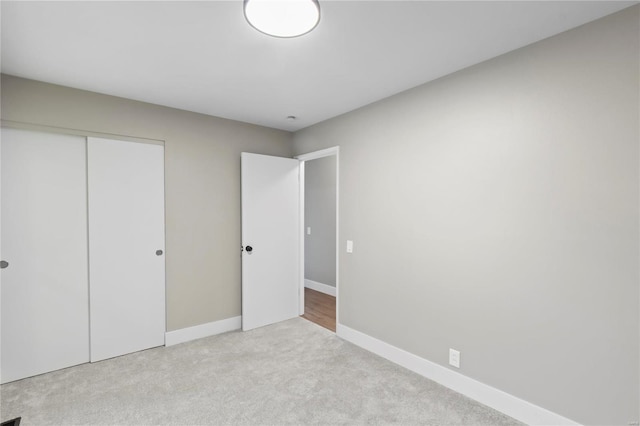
(320, 308)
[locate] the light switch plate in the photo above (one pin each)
(349, 246)
(308, 230)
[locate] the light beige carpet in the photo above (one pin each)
(294, 372)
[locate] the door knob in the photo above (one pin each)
(158, 252)
(3, 264)
(249, 249)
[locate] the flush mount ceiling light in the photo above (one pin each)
(282, 18)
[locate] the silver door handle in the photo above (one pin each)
(3, 264)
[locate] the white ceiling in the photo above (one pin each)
(202, 56)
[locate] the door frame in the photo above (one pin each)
(328, 152)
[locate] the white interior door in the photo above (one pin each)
(45, 300)
(270, 237)
(126, 245)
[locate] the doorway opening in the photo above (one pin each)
(319, 237)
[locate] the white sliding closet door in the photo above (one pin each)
(45, 300)
(126, 245)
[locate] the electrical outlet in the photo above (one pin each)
(454, 358)
(349, 246)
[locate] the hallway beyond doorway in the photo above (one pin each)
(320, 308)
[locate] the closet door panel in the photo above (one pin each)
(126, 246)
(45, 311)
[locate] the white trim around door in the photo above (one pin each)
(328, 152)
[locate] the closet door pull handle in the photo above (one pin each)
(3, 264)
(158, 252)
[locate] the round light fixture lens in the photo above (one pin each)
(282, 18)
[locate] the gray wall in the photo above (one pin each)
(495, 211)
(320, 215)
(202, 183)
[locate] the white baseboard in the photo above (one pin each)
(322, 288)
(508, 404)
(203, 330)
